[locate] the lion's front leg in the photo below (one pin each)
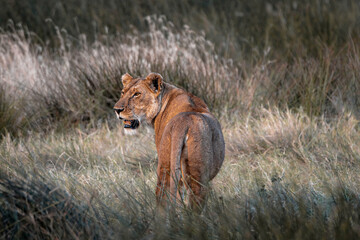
(163, 184)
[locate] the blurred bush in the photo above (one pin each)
(236, 27)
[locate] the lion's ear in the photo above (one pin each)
(155, 82)
(126, 79)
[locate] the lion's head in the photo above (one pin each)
(140, 100)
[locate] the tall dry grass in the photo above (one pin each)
(84, 83)
(79, 84)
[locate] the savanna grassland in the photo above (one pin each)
(283, 78)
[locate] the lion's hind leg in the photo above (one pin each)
(200, 157)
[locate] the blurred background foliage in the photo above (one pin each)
(236, 27)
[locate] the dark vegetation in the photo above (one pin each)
(290, 28)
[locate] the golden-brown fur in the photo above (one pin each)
(188, 137)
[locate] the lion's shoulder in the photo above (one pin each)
(182, 101)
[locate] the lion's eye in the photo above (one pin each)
(122, 93)
(136, 94)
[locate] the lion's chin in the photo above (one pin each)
(130, 131)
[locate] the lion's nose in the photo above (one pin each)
(119, 110)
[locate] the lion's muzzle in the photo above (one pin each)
(118, 111)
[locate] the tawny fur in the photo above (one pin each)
(188, 137)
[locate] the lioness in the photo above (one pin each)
(189, 140)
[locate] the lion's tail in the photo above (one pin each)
(177, 166)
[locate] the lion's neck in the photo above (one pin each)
(166, 111)
(174, 101)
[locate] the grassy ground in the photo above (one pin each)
(285, 176)
(283, 79)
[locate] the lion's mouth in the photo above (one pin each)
(133, 124)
